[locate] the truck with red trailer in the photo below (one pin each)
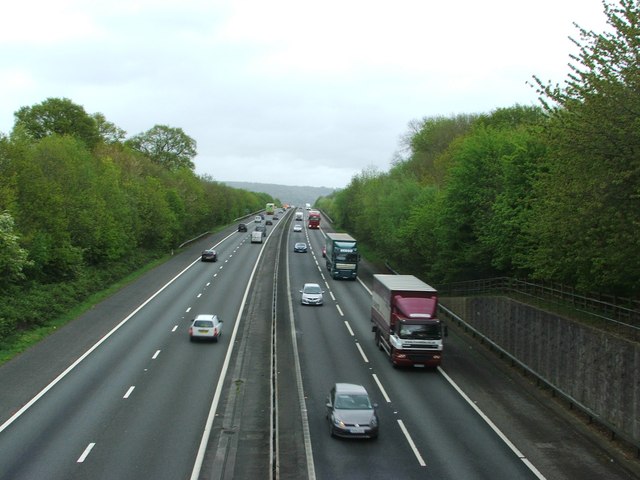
(314, 219)
(404, 318)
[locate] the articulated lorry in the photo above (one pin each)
(404, 318)
(342, 255)
(314, 219)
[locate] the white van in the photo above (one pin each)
(256, 237)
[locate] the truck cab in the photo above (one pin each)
(341, 256)
(405, 320)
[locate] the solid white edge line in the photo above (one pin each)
(502, 436)
(411, 444)
(306, 432)
(197, 466)
(42, 392)
(86, 452)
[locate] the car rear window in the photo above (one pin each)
(203, 323)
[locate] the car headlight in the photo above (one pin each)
(338, 423)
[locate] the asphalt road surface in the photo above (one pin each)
(122, 393)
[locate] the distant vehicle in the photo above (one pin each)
(271, 207)
(311, 294)
(258, 219)
(342, 255)
(262, 229)
(256, 236)
(404, 318)
(307, 206)
(297, 228)
(300, 247)
(209, 255)
(299, 216)
(276, 217)
(206, 327)
(314, 218)
(351, 413)
(268, 222)
(242, 227)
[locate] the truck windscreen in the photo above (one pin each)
(420, 332)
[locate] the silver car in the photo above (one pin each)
(311, 294)
(205, 327)
(350, 412)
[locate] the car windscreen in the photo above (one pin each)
(353, 402)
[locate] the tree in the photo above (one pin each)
(588, 209)
(109, 132)
(57, 116)
(166, 146)
(13, 258)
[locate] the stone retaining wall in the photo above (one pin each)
(597, 370)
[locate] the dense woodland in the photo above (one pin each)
(82, 206)
(549, 193)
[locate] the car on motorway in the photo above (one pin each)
(242, 227)
(205, 327)
(311, 294)
(276, 217)
(258, 219)
(268, 222)
(351, 413)
(300, 247)
(297, 228)
(209, 255)
(261, 228)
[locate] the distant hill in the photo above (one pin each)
(285, 193)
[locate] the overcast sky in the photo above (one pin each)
(285, 91)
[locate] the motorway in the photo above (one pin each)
(121, 393)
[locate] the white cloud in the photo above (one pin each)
(270, 88)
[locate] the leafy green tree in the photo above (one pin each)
(7, 175)
(109, 132)
(57, 116)
(13, 258)
(432, 138)
(472, 185)
(588, 210)
(421, 238)
(166, 146)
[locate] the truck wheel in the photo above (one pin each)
(391, 351)
(378, 343)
